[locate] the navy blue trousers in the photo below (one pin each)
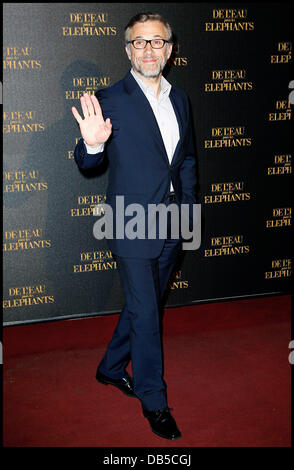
(137, 334)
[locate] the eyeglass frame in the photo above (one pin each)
(148, 41)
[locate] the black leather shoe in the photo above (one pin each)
(125, 384)
(162, 423)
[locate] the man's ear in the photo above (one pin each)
(170, 50)
(128, 52)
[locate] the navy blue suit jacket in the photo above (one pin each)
(139, 168)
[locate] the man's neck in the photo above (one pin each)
(153, 82)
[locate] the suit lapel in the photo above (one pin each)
(145, 113)
(177, 105)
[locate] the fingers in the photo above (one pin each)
(108, 124)
(86, 105)
(96, 105)
(76, 114)
(90, 106)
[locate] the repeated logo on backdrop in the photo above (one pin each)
(95, 261)
(280, 217)
(89, 205)
(22, 122)
(282, 111)
(227, 245)
(279, 269)
(228, 80)
(27, 296)
(177, 282)
(23, 181)
(282, 54)
(20, 58)
(81, 85)
(229, 19)
(25, 239)
(226, 137)
(227, 192)
(230, 125)
(85, 24)
(281, 165)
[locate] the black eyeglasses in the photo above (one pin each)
(142, 43)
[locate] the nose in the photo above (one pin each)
(148, 47)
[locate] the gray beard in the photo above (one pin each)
(149, 74)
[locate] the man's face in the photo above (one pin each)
(148, 62)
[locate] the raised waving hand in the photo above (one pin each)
(94, 129)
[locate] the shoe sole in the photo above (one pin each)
(161, 435)
(104, 382)
(165, 437)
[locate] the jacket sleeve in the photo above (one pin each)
(86, 160)
(188, 167)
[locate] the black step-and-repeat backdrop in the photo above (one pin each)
(234, 62)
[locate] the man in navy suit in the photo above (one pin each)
(143, 124)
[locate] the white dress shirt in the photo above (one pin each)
(164, 114)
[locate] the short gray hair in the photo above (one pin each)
(141, 18)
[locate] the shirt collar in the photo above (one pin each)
(164, 85)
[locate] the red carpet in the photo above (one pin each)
(226, 366)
